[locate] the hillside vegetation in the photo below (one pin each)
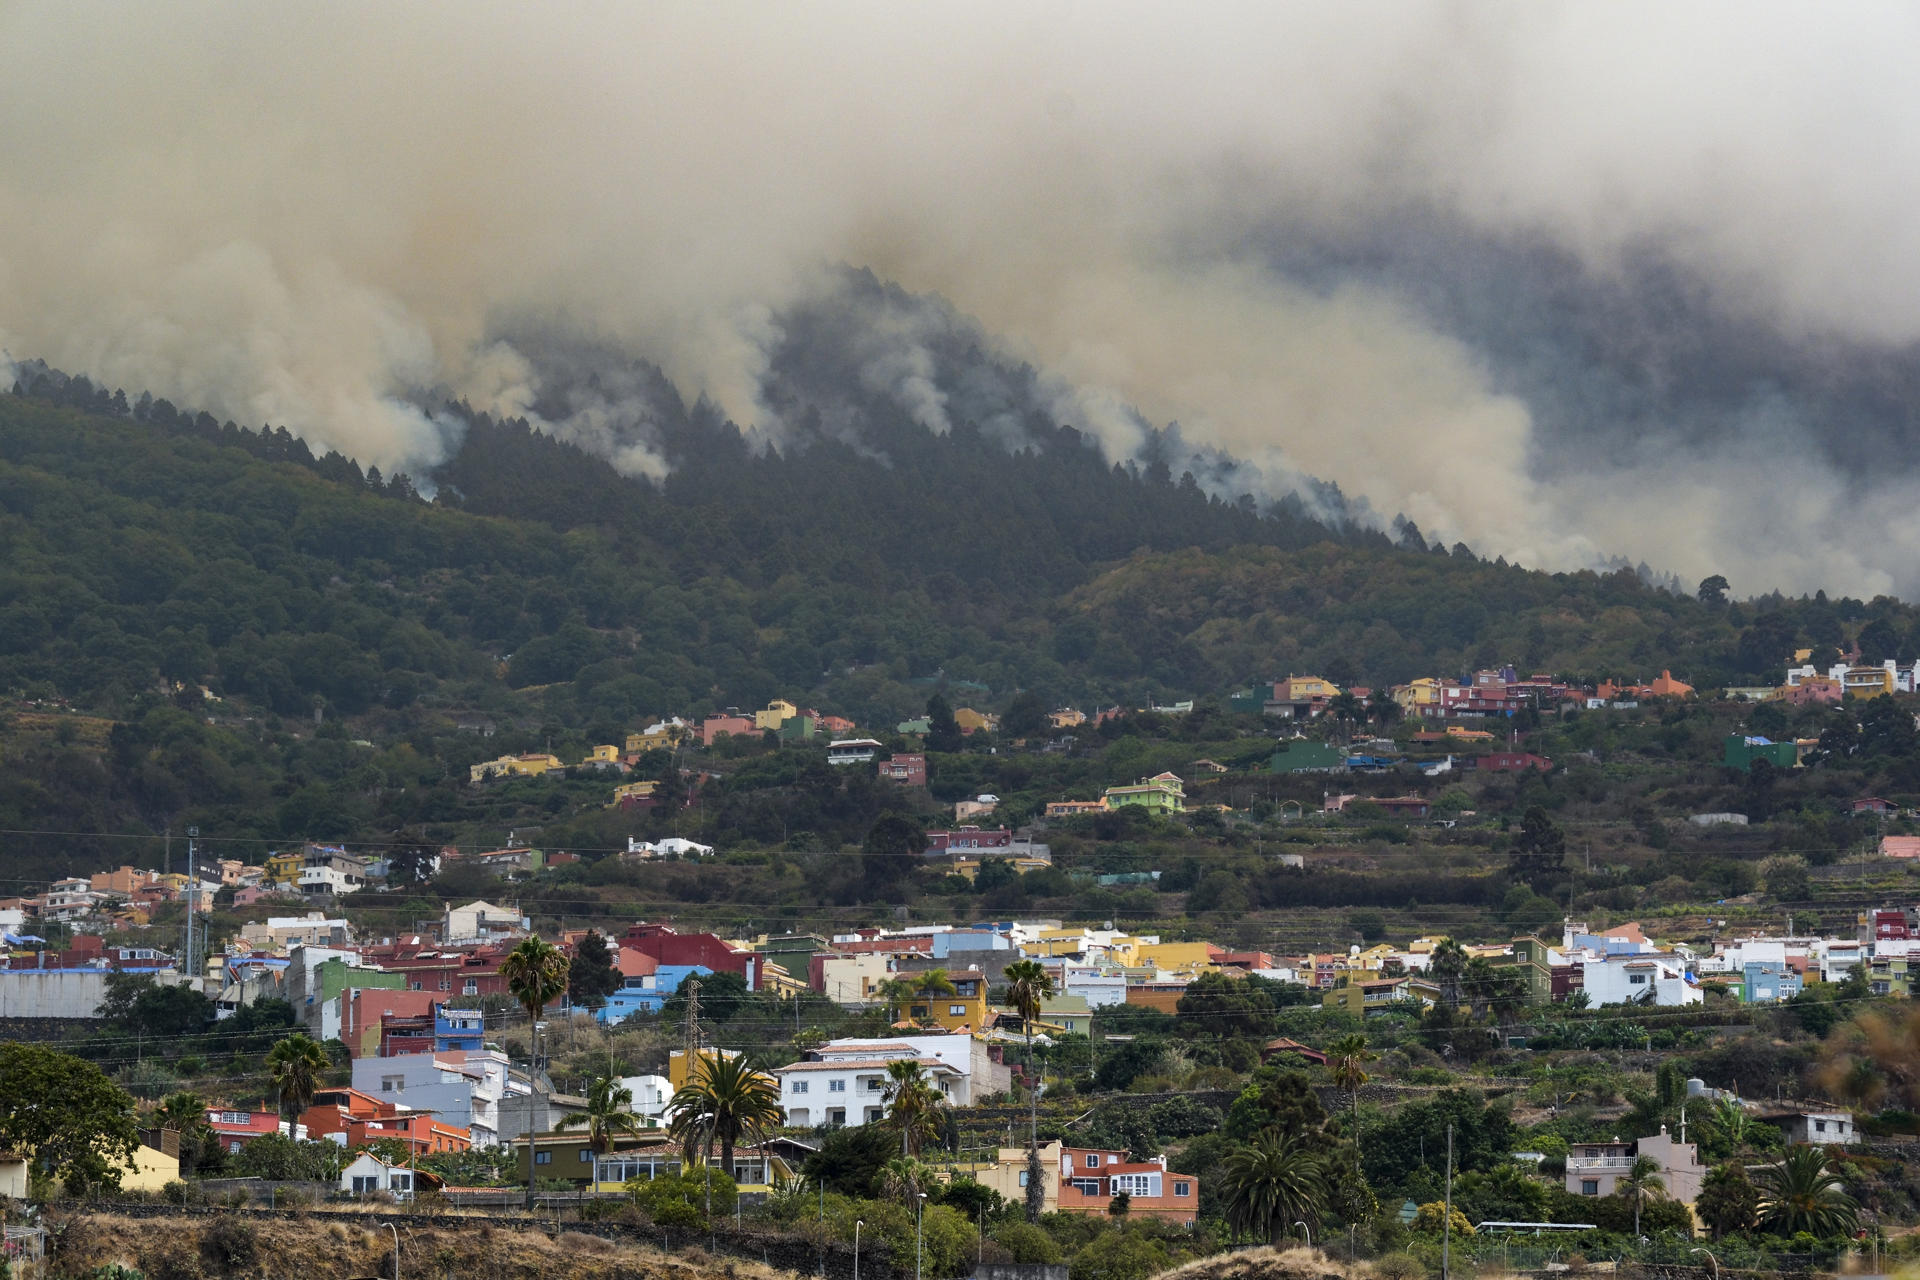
(361, 646)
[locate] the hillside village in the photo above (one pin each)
(433, 1078)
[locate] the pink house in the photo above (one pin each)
(728, 722)
(1900, 846)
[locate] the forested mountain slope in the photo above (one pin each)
(145, 553)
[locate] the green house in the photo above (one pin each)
(1742, 751)
(1307, 757)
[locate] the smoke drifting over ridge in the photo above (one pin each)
(1563, 283)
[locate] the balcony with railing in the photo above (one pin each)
(1591, 1164)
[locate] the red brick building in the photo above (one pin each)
(909, 769)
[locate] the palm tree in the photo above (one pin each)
(726, 1099)
(186, 1114)
(1643, 1182)
(1381, 706)
(903, 1179)
(1733, 1120)
(536, 974)
(1447, 965)
(1345, 711)
(609, 1114)
(931, 983)
(1346, 1062)
(1028, 983)
(1803, 1193)
(896, 992)
(1272, 1184)
(912, 1104)
(294, 1066)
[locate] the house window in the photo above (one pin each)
(836, 1086)
(1819, 1126)
(956, 1010)
(1637, 979)
(875, 1085)
(799, 1086)
(1023, 1172)
(1589, 1186)
(393, 1084)
(543, 1157)
(472, 988)
(1183, 1188)
(446, 984)
(362, 1185)
(402, 1182)
(1087, 1186)
(415, 986)
(1093, 1162)
(1136, 1184)
(586, 1155)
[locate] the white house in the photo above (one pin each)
(852, 750)
(69, 900)
(1099, 987)
(1839, 958)
(651, 1095)
(1628, 979)
(480, 922)
(844, 1081)
(849, 1089)
(367, 1174)
(1821, 1128)
(671, 847)
(466, 1088)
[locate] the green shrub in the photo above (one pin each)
(1028, 1243)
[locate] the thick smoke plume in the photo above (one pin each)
(1562, 282)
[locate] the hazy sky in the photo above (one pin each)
(308, 214)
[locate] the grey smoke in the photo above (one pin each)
(1565, 283)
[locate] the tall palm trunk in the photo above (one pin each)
(1036, 1185)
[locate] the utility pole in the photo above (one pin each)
(193, 834)
(1446, 1220)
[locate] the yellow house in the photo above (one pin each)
(633, 791)
(967, 862)
(778, 712)
(531, 765)
(677, 1063)
(971, 721)
(1867, 682)
(149, 1170)
(1066, 718)
(608, 754)
(1177, 957)
(659, 736)
(1008, 1174)
(284, 868)
(967, 1007)
(1415, 696)
(1306, 689)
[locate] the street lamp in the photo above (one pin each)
(1710, 1258)
(396, 1248)
(1306, 1231)
(919, 1219)
(857, 1224)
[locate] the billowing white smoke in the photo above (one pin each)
(316, 214)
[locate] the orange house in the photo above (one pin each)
(362, 1119)
(1091, 1178)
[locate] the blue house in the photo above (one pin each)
(1763, 982)
(457, 1029)
(646, 993)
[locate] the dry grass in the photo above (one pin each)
(1268, 1263)
(317, 1249)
